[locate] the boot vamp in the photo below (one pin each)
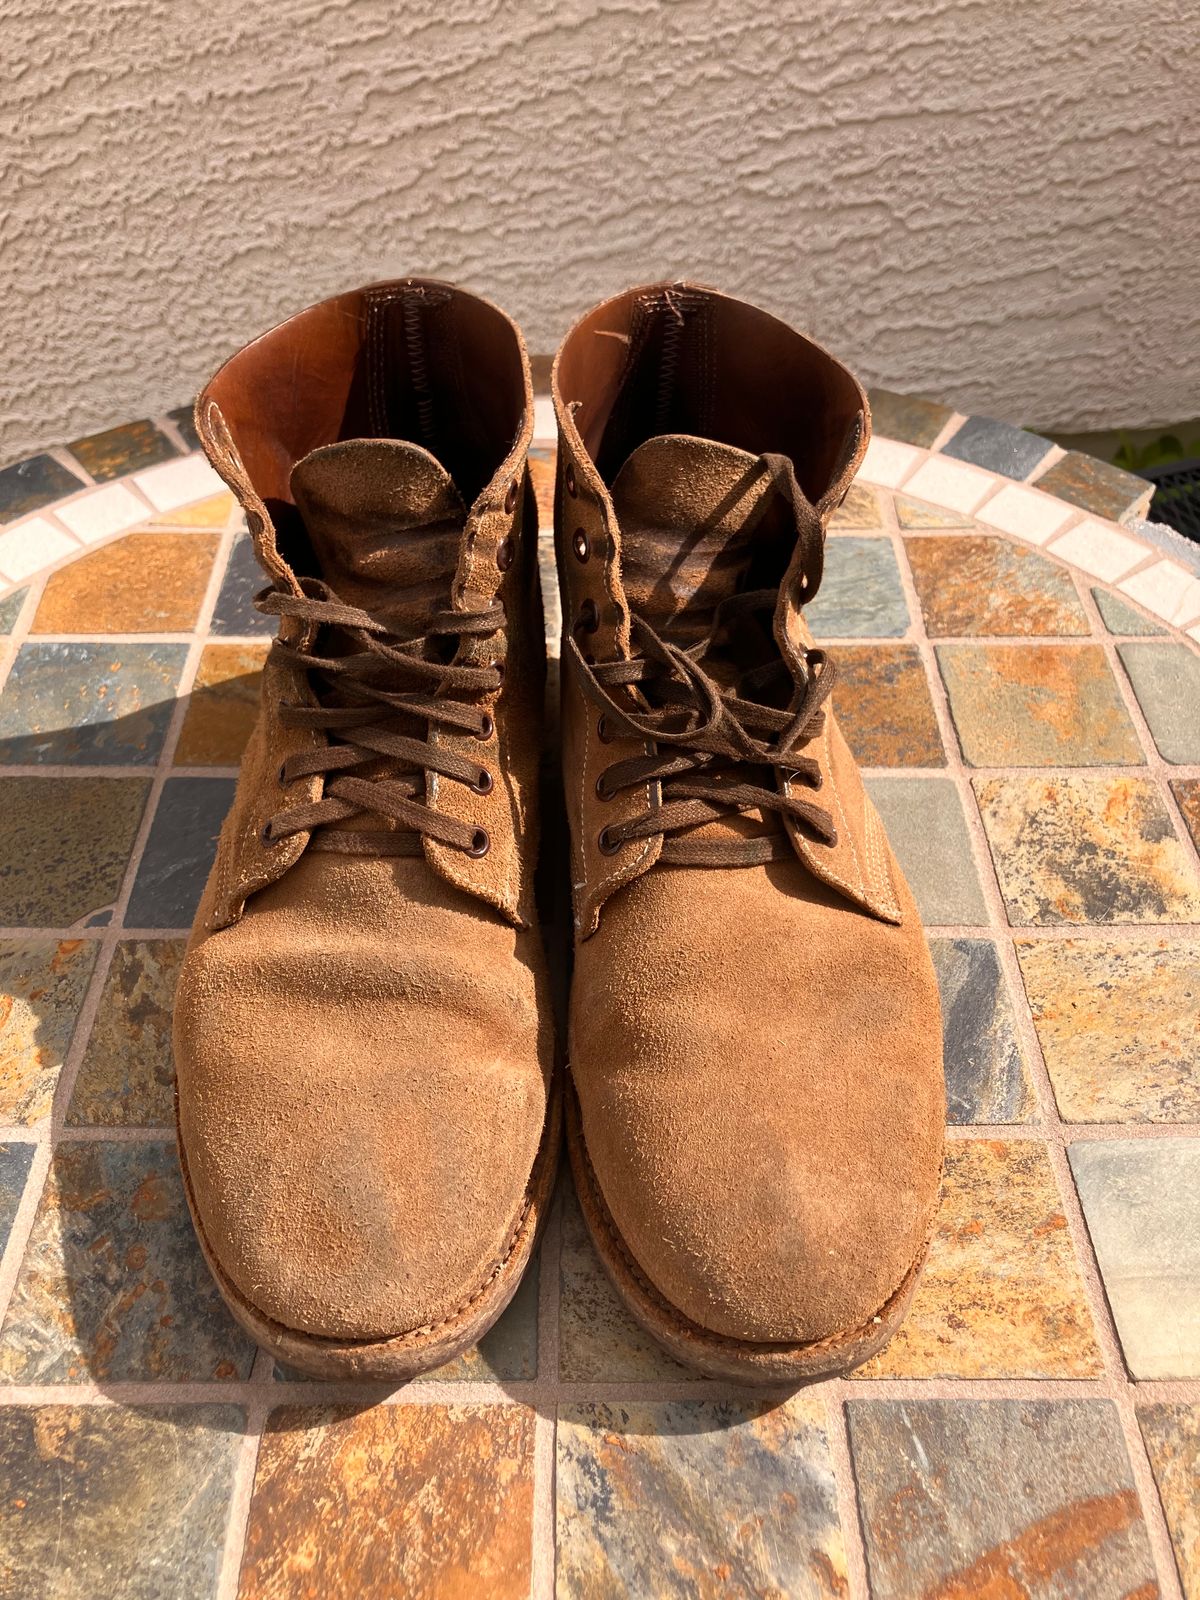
(363, 1062)
(759, 1072)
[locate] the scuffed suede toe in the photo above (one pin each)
(360, 1114)
(771, 1163)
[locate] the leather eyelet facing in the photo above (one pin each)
(510, 499)
(588, 619)
(569, 479)
(480, 843)
(605, 843)
(483, 784)
(603, 792)
(602, 732)
(487, 727)
(580, 545)
(504, 554)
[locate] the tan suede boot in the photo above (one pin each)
(757, 1113)
(368, 1118)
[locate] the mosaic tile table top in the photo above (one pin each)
(1021, 680)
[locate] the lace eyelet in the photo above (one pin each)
(281, 775)
(605, 844)
(603, 792)
(602, 732)
(487, 727)
(589, 617)
(265, 837)
(480, 843)
(510, 499)
(569, 480)
(483, 784)
(579, 544)
(504, 554)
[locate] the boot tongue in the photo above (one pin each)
(688, 510)
(385, 521)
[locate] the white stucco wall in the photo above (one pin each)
(992, 201)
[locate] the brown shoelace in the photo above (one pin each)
(372, 685)
(709, 738)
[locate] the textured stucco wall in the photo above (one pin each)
(993, 201)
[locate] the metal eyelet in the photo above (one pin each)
(580, 545)
(480, 843)
(569, 480)
(281, 775)
(487, 727)
(589, 617)
(602, 732)
(264, 835)
(605, 844)
(483, 784)
(603, 792)
(504, 554)
(510, 499)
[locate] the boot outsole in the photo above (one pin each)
(717, 1355)
(405, 1355)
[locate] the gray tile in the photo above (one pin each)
(15, 1162)
(179, 852)
(64, 847)
(998, 446)
(29, 485)
(1141, 1198)
(860, 595)
(998, 1497)
(184, 419)
(1122, 618)
(986, 1080)
(89, 704)
(234, 612)
(127, 1502)
(10, 609)
(1172, 1435)
(1166, 681)
(42, 986)
(925, 824)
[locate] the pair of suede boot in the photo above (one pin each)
(369, 1101)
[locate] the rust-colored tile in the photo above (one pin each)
(397, 1502)
(222, 706)
(42, 985)
(541, 470)
(860, 509)
(1037, 705)
(1118, 1024)
(1001, 1295)
(121, 450)
(983, 584)
(1172, 1435)
(1187, 798)
(127, 1077)
(144, 583)
(214, 512)
(1082, 847)
(884, 708)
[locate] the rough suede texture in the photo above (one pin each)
(756, 1050)
(364, 1044)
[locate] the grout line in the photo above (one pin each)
(242, 1492)
(850, 1514)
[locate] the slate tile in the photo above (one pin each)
(89, 704)
(914, 513)
(1001, 1295)
(1034, 1498)
(116, 451)
(130, 1502)
(1187, 798)
(924, 821)
(415, 1500)
(860, 595)
(143, 583)
(64, 846)
(1086, 848)
(15, 1162)
(113, 1285)
(1141, 1198)
(1049, 705)
(214, 513)
(234, 611)
(1097, 486)
(986, 1078)
(597, 1337)
(1166, 681)
(42, 985)
(223, 705)
(998, 446)
(1120, 617)
(542, 470)
(985, 584)
(10, 610)
(905, 417)
(29, 485)
(185, 420)
(697, 1497)
(884, 707)
(179, 852)
(1118, 1024)
(860, 509)
(127, 1076)
(1172, 1435)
